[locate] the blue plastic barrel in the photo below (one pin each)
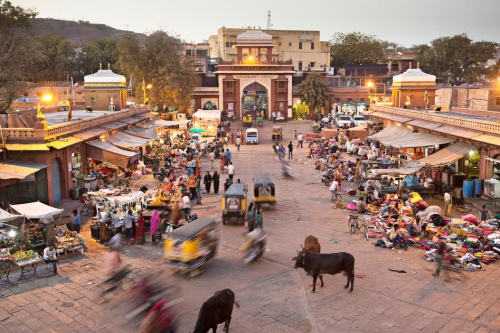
(468, 188)
(478, 186)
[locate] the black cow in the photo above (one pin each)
(216, 310)
(316, 264)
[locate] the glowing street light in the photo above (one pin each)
(144, 88)
(40, 116)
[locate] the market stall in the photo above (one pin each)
(41, 228)
(208, 120)
(470, 244)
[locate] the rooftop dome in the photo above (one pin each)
(414, 75)
(105, 76)
(254, 35)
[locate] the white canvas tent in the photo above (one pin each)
(125, 199)
(6, 216)
(36, 210)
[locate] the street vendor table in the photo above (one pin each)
(5, 274)
(29, 270)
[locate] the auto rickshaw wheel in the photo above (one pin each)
(224, 221)
(197, 271)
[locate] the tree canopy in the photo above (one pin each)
(15, 54)
(314, 92)
(457, 59)
(356, 48)
(158, 63)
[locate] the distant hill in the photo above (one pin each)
(76, 32)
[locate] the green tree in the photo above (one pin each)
(56, 58)
(356, 48)
(96, 52)
(457, 58)
(314, 92)
(160, 64)
(15, 54)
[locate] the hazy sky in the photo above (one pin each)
(403, 21)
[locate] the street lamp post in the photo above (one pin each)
(40, 116)
(373, 86)
(144, 88)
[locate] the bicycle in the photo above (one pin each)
(336, 196)
(354, 226)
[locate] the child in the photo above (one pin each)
(484, 213)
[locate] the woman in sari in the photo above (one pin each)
(155, 223)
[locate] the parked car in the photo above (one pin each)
(344, 121)
(359, 120)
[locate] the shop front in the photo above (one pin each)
(106, 163)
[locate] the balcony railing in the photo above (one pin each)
(476, 124)
(32, 134)
(255, 62)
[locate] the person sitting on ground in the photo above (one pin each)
(361, 206)
(397, 238)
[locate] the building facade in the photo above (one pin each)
(105, 90)
(304, 48)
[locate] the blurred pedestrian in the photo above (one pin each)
(215, 179)
(207, 180)
(76, 221)
(155, 223)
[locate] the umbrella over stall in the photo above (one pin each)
(196, 130)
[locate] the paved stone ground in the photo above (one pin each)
(273, 296)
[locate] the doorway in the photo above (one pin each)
(56, 180)
(255, 99)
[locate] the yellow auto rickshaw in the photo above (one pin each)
(189, 247)
(277, 133)
(247, 118)
(234, 204)
(263, 189)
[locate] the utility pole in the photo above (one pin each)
(466, 95)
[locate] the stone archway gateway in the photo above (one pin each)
(255, 73)
(254, 97)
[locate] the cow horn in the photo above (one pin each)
(301, 246)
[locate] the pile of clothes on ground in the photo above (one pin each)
(408, 221)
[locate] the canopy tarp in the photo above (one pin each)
(403, 137)
(18, 170)
(400, 171)
(36, 210)
(447, 155)
(125, 199)
(171, 123)
(207, 114)
(5, 216)
(359, 128)
(63, 143)
(27, 147)
(122, 139)
(146, 133)
(107, 152)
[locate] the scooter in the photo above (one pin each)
(258, 247)
(287, 170)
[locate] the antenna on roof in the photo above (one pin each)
(269, 25)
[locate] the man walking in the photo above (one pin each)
(290, 150)
(238, 143)
(274, 116)
(228, 155)
(439, 256)
(230, 171)
(300, 139)
(212, 158)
